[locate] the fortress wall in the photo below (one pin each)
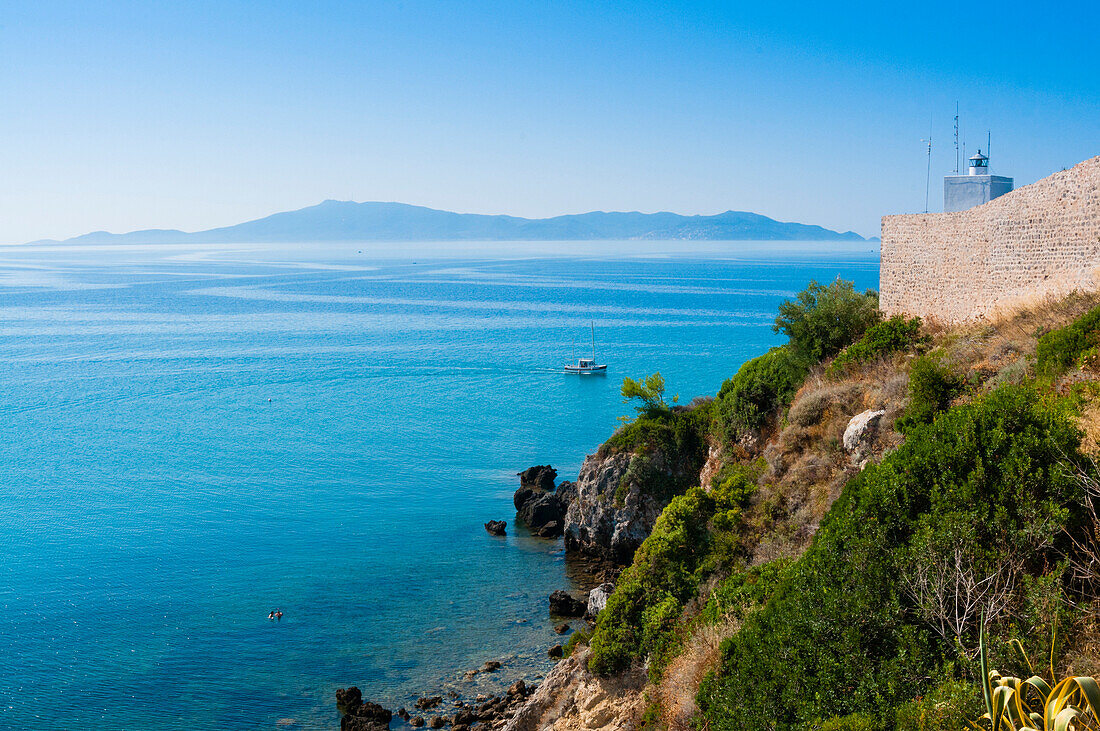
(1037, 241)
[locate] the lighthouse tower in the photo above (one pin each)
(961, 192)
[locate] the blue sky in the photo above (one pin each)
(121, 116)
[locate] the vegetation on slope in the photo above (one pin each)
(982, 501)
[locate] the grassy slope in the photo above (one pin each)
(717, 557)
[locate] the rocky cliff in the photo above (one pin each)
(619, 498)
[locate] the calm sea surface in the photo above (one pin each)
(193, 436)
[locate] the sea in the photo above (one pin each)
(192, 436)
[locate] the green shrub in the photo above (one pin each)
(822, 320)
(948, 707)
(687, 544)
(932, 386)
(743, 591)
(650, 391)
(1062, 349)
(895, 335)
(678, 435)
(851, 722)
(579, 637)
(838, 636)
(759, 388)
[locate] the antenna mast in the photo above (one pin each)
(956, 138)
(928, 174)
(988, 136)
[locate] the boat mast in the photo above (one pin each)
(593, 341)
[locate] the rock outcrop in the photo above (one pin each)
(496, 527)
(539, 477)
(542, 508)
(597, 599)
(572, 698)
(615, 507)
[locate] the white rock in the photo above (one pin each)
(597, 598)
(860, 428)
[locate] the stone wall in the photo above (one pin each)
(1037, 241)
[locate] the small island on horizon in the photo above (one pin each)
(334, 220)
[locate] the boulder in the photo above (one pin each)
(359, 715)
(597, 599)
(540, 510)
(436, 722)
(348, 699)
(490, 667)
(496, 527)
(564, 604)
(539, 477)
(416, 721)
(556, 651)
(553, 529)
(562, 628)
(518, 688)
(861, 430)
(428, 702)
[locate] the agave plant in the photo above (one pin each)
(1012, 704)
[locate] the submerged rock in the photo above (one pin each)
(496, 527)
(490, 667)
(562, 628)
(428, 702)
(359, 715)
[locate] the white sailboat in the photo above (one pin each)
(587, 365)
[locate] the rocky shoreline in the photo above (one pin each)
(599, 534)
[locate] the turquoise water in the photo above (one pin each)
(193, 436)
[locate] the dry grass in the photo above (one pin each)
(675, 694)
(994, 346)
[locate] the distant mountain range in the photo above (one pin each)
(350, 221)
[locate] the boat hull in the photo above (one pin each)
(586, 370)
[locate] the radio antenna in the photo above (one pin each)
(988, 136)
(928, 174)
(956, 138)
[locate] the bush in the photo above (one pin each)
(891, 336)
(852, 722)
(685, 546)
(579, 637)
(822, 320)
(759, 388)
(838, 635)
(1060, 350)
(932, 386)
(678, 435)
(650, 391)
(948, 707)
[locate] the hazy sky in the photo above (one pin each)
(121, 116)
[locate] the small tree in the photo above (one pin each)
(650, 391)
(823, 320)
